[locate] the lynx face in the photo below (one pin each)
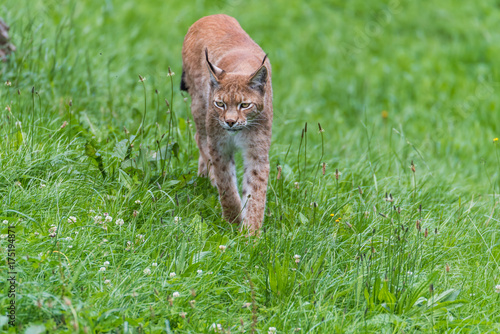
(236, 105)
(237, 99)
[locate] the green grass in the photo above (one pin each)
(433, 69)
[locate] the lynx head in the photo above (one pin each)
(237, 99)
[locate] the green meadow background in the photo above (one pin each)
(115, 233)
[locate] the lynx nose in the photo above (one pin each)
(230, 122)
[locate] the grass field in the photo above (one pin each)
(114, 232)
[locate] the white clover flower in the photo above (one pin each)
(138, 202)
(70, 246)
(53, 229)
(129, 243)
(98, 219)
(5, 221)
(36, 233)
(216, 328)
(154, 264)
(104, 240)
(42, 185)
(108, 218)
(71, 219)
(497, 288)
(177, 219)
(107, 281)
(199, 271)
(3, 236)
(297, 258)
(147, 271)
(271, 330)
(296, 184)
(172, 274)
(176, 294)
(106, 263)
(119, 222)
(102, 269)
(222, 248)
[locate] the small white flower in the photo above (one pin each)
(176, 294)
(69, 239)
(106, 263)
(5, 221)
(410, 272)
(138, 202)
(42, 185)
(36, 233)
(222, 248)
(172, 274)
(70, 246)
(97, 219)
(8, 83)
(147, 271)
(71, 219)
(18, 124)
(297, 258)
(296, 184)
(154, 264)
(246, 305)
(102, 269)
(271, 330)
(53, 229)
(216, 328)
(107, 281)
(108, 219)
(177, 219)
(199, 271)
(104, 240)
(129, 243)
(497, 288)
(3, 236)
(119, 222)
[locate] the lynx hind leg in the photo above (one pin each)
(198, 111)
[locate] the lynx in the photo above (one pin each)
(229, 79)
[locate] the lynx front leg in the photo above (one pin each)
(223, 172)
(255, 188)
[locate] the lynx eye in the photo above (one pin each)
(220, 104)
(245, 105)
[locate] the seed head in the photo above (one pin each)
(279, 172)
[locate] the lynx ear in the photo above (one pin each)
(258, 78)
(215, 73)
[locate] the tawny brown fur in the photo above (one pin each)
(229, 79)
